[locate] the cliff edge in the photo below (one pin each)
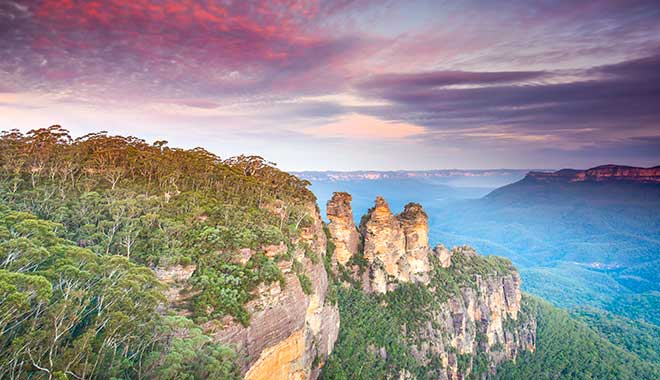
(439, 313)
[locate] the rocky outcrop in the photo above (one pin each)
(472, 317)
(342, 227)
(290, 333)
(396, 248)
(384, 247)
(443, 254)
(293, 330)
(469, 322)
(178, 291)
(415, 225)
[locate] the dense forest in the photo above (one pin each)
(569, 349)
(635, 336)
(85, 221)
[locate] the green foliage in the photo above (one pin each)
(367, 326)
(225, 286)
(464, 271)
(305, 283)
(110, 208)
(310, 254)
(371, 324)
(331, 296)
(568, 349)
(638, 337)
(192, 355)
(159, 206)
(66, 311)
(643, 307)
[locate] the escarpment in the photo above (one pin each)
(292, 326)
(457, 314)
(604, 173)
(408, 311)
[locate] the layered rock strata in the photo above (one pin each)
(604, 173)
(480, 321)
(342, 227)
(290, 334)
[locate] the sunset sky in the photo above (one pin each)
(346, 85)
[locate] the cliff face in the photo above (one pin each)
(480, 322)
(470, 318)
(466, 313)
(290, 333)
(395, 247)
(604, 173)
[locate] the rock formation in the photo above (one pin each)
(291, 334)
(443, 254)
(415, 225)
(342, 227)
(384, 247)
(396, 248)
(475, 316)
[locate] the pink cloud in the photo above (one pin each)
(186, 48)
(356, 126)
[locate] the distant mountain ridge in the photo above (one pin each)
(603, 173)
(405, 174)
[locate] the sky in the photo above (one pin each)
(346, 85)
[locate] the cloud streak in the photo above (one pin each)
(612, 100)
(513, 79)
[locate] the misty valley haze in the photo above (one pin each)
(577, 243)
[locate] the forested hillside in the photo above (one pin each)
(638, 337)
(568, 349)
(84, 222)
(576, 243)
(403, 331)
(66, 312)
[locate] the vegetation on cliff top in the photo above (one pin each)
(68, 313)
(378, 331)
(83, 221)
(159, 206)
(86, 220)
